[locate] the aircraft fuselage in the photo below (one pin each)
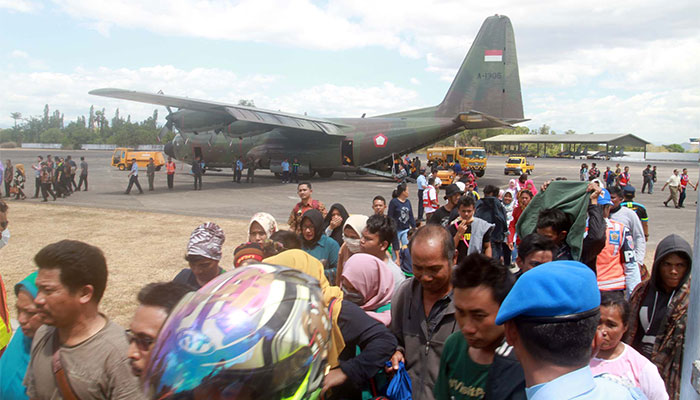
(366, 142)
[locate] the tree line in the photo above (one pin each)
(96, 128)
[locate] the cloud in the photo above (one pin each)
(23, 58)
(330, 100)
(18, 54)
(22, 6)
(663, 116)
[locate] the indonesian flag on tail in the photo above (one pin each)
(493, 55)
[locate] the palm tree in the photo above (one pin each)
(16, 116)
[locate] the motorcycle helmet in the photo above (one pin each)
(257, 332)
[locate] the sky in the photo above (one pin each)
(597, 66)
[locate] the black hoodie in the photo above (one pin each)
(490, 209)
(654, 304)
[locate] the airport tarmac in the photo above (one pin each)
(221, 197)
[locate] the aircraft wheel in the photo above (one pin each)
(325, 174)
(121, 167)
(480, 173)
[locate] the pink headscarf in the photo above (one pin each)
(530, 185)
(374, 281)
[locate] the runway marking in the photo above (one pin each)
(292, 197)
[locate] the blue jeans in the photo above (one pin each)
(403, 237)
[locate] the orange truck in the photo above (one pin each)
(122, 156)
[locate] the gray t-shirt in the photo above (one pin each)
(399, 276)
(98, 368)
(83, 168)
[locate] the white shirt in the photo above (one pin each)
(674, 180)
(629, 218)
(430, 195)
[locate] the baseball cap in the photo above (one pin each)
(604, 198)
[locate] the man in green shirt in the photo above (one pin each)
(477, 361)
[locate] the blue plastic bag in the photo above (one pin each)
(400, 386)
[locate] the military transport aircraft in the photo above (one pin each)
(484, 94)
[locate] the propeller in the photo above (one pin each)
(168, 127)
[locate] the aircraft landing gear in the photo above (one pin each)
(325, 173)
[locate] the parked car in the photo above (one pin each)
(518, 166)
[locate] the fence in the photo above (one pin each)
(110, 147)
(41, 146)
(639, 156)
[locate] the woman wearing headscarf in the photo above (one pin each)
(524, 198)
(14, 362)
(334, 221)
(351, 327)
(659, 311)
(316, 243)
(513, 189)
(530, 185)
(203, 255)
(368, 282)
(352, 231)
(261, 227)
(18, 181)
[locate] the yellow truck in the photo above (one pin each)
(473, 158)
(518, 166)
(122, 156)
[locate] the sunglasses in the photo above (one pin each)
(143, 342)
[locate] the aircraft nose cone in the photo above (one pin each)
(169, 149)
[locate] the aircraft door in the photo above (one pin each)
(198, 153)
(346, 152)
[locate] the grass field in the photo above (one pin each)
(140, 247)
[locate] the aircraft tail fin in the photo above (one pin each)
(488, 81)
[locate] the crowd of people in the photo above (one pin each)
(512, 293)
(53, 176)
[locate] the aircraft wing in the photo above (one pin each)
(239, 113)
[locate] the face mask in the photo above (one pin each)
(353, 244)
(353, 297)
(5, 238)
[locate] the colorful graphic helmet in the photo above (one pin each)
(257, 332)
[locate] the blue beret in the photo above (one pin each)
(557, 290)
